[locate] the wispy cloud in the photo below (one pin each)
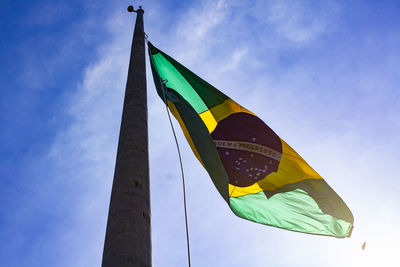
(302, 21)
(84, 152)
(200, 20)
(234, 62)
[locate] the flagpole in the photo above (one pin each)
(128, 234)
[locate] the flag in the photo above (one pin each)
(261, 177)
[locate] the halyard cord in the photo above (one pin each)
(181, 164)
(183, 177)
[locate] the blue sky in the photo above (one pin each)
(323, 74)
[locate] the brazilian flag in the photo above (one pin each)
(259, 175)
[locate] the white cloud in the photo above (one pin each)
(234, 62)
(298, 21)
(200, 20)
(84, 153)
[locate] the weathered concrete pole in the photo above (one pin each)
(128, 234)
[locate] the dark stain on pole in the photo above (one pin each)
(128, 234)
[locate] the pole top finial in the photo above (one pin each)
(131, 9)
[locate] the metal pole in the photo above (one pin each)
(128, 234)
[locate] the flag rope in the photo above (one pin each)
(181, 165)
(183, 177)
